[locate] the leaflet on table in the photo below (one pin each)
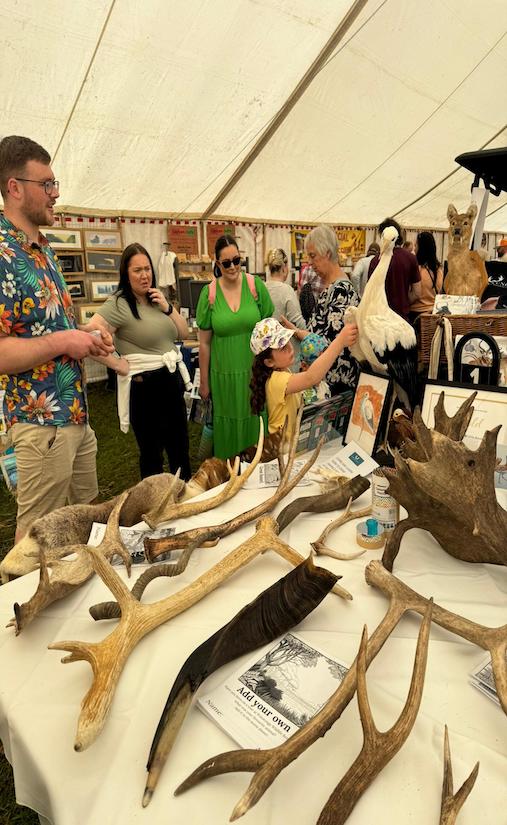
(268, 475)
(482, 678)
(350, 460)
(267, 700)
(133, 539)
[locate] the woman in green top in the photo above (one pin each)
(225, 321)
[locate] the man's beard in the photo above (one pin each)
(38, 215)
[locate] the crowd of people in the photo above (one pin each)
(263, 347)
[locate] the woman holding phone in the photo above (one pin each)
(145, 328)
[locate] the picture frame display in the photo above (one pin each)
(86, 312)
(490, 410)
(102, 239)
(103, 289)
(102, 261)
(369, 411)
(77, 289)
(61, 238)
(71, 263)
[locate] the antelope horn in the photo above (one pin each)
(321, 548)
(323, 502)
(378, 747)
(492, 639)
(68, 575)
(200, 535)
(175, 510)
(271, 614)
(453, 802)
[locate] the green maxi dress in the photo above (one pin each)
(234, 427)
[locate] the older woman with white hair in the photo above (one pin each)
(321, 245)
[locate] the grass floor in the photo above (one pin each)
(117, 469)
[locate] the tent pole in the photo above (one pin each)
(289, 104)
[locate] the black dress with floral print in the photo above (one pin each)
(328, 320)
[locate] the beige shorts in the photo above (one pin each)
(56, 466)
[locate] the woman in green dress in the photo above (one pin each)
(227, 312)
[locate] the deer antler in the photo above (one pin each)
(319, 545)
(68, 575)
(276, 610)
(108, 657)
(492, 639)
(267, 764)
(169, 510)
(453, 802)
(200, 535)
(378, 747)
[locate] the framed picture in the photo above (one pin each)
(71, 263)
(103, 289)
(369, 411)
(60, 238)
(476, 359)
(490, 410)
(102, 239)
(103, 261)
(77, 289)
(323, 419)
(86, 311)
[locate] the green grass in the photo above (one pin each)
(117, 469)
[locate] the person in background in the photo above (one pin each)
(310, 286)
(145, 328)
(41, 347)
(167, 271)
(283, 296)
(321, 246)
(227, 311)
(403, 280)
(360, 272)
(409, 246)
(273, 384)
(432, 276)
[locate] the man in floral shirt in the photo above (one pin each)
(40, 345)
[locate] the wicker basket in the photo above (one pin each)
(494, 324)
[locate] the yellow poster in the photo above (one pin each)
(352, 242)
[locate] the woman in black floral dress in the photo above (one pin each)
(328, 317)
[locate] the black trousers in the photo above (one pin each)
(158, 417)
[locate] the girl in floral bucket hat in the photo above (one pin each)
(273, 385)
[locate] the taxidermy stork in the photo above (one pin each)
(386, 341)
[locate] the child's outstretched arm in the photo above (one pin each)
(316, 372)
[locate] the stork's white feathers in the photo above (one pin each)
(385, 340)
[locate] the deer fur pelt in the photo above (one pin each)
(71, 525)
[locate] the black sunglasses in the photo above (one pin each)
(235, 262)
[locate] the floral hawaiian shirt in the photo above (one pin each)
(34, 300)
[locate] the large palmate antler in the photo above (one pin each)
(271, 614)
(210, 535)
(67, 575)
(108, 657)
(168, 510)
(453, 802)
(378, 747)
(449, 490)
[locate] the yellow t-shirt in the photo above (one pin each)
(279, 404)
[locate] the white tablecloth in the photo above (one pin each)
(40, 698)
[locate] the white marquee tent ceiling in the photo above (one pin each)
(152, 106)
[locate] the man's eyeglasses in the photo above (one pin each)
(227, 263)
(49, 186)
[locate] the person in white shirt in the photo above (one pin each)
(360, 272)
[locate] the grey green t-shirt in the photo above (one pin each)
(152, 334)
